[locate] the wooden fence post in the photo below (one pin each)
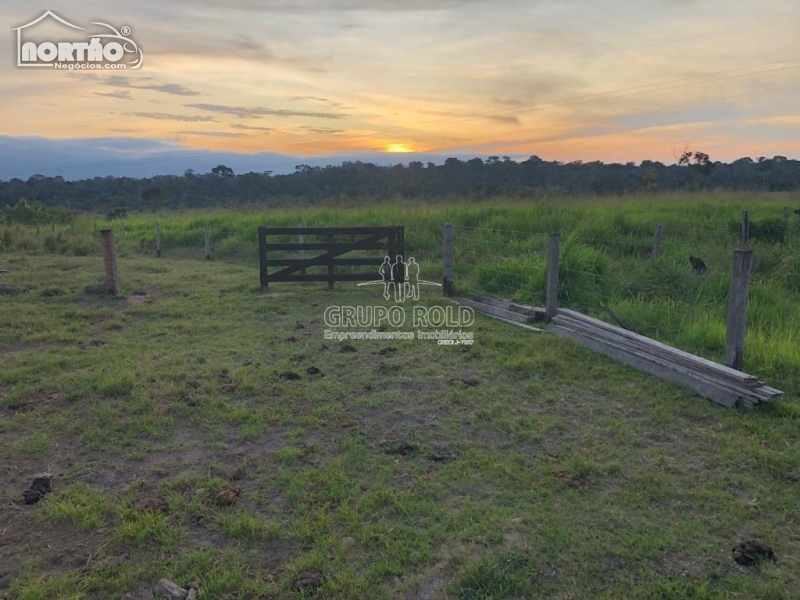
(737, 308)
(110, 262)
(158, 240)
(207, 241)
(330, 266)
(745, 227)
(449, 277)
(301, 239)
(262, 257)
(551, 303)
(657, 243)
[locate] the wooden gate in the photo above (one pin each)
(333, 242)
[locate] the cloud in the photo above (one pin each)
(258, 112)
(169, 117)
(222, 134)
(122, 95)
(506, 119)
(176, 89)
(791, 120)
(321, 130)
(251, 127)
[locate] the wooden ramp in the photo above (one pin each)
(516, 314)
(711, 380)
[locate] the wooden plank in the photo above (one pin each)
(658, 346)
(276, 278)
(537, 314)
(709, 391)
(326, 231)
(551, 302)
(342, 262)
(747, 381)
(755, 395)
(323, 259)
(737, 308)
(326, 246)
(495, 312)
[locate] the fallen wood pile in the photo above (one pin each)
(519, 314)
(714, 381)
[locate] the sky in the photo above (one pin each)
(269, 84)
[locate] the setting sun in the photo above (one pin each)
(399, 148)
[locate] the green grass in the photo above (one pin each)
(573, 476)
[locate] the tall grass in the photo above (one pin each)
(501, 250)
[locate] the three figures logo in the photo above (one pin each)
(400, 279)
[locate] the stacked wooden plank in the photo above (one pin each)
(714, 381)
(519, 314)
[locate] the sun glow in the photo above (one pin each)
(399, 148)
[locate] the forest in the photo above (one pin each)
(455, 179)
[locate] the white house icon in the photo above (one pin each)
(19, 29)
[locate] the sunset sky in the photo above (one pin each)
(611, 80)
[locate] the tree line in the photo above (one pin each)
(354, 180)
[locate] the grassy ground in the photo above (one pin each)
(522, 467)
(501, 250)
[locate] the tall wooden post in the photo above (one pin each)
(301, 239)
(551, 301)
(657, 242)
(207, 236)
(745, 227)
(110, 262)
(330, 265)
(449, 276)
(262, 258)
(158, 240)
(737, 308)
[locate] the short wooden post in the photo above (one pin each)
(737, 308)
(330, 264)
(449, 274)
(785, 212)
(158, 240)
(110, 262)
(745, 227)
(301, 239)
(551, 302)
(657, 242)
(208, 241)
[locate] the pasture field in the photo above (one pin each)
(521, 467)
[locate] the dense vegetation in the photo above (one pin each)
(453, 180)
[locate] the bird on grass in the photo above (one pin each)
(698, 265)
